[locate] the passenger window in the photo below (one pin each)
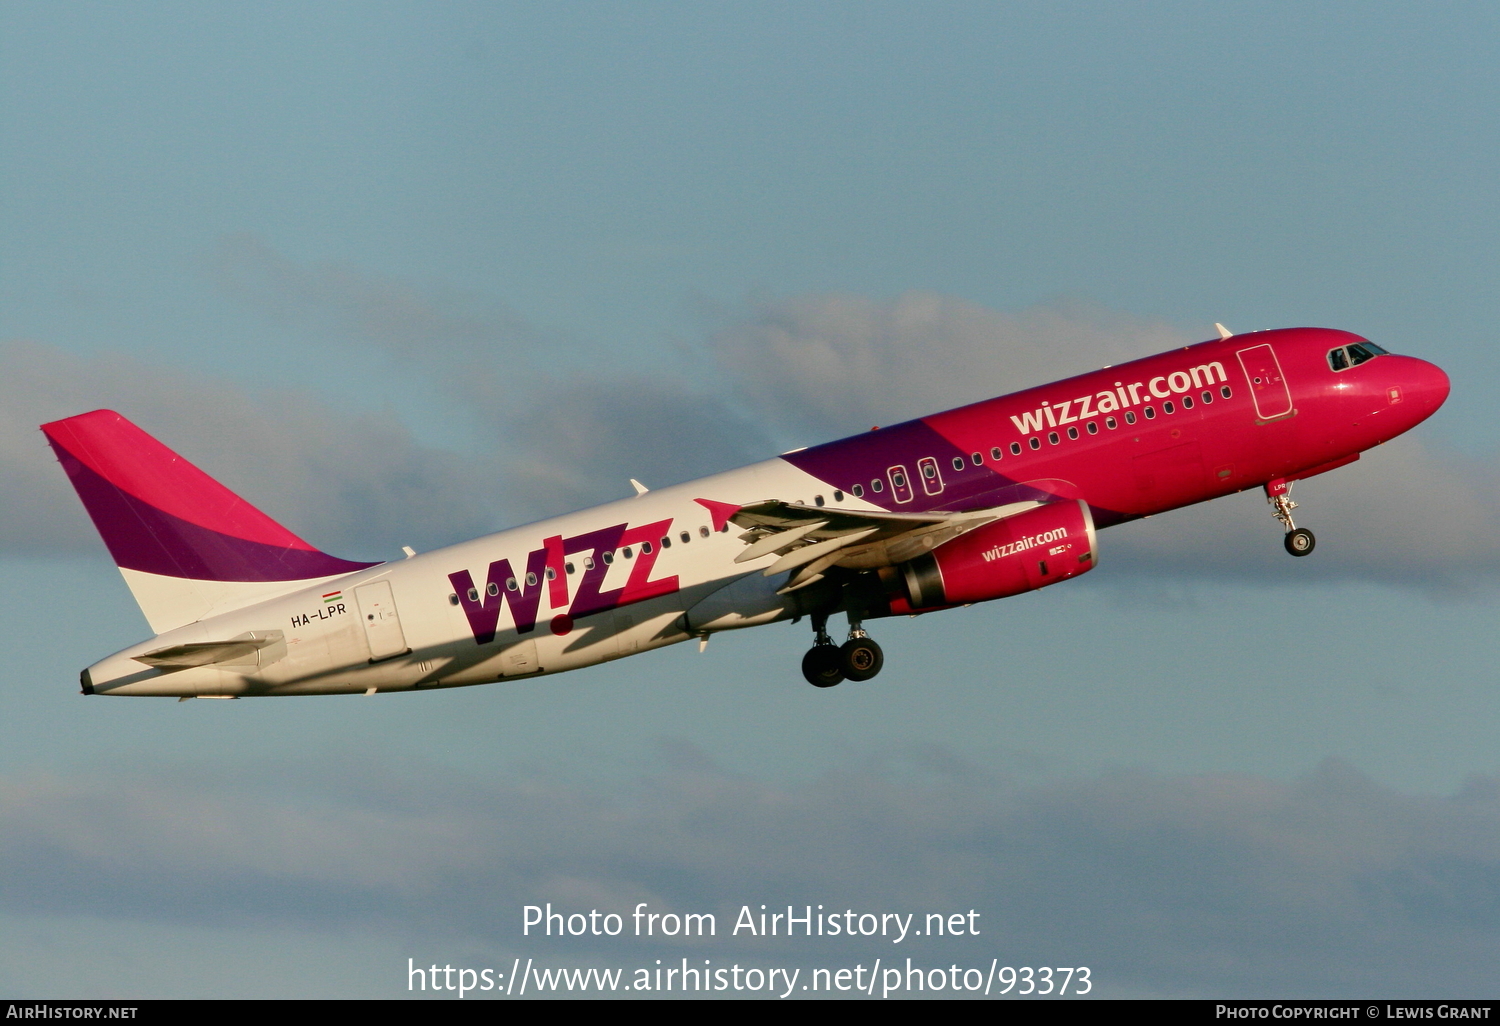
(666, 541)
(1093, 427)
(568, 568)
(1337, 359)
(899, 480)
(1130, 416)
(977, 459)
(511, 585)
(1073, 433)
(1207, 397)
(703, 532)
(609, 558)
(453, 600)
(551, 574)
(838, 496)
(685, 537)
(1111, 423)
(1034, 442)
(1052, 437)
(1150, 413)
(817, 500)
(877, 485)
(474, 594)
(1225, 392)
(645, 548)
(588, 562)
(531, 580)
(1015, 448)
(958, 463)
(494, 589)
(1187, 402)
(997, 455)
(859, 491)
(1167, 407)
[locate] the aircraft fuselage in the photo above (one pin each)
(1130, 441)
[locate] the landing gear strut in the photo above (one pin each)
(1299, 541)
(827, 664)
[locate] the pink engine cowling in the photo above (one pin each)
(1029, 550)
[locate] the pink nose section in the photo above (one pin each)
(1428, 385)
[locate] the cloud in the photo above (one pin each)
(566, 426)
(1220, 885)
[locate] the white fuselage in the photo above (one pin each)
(347, 635)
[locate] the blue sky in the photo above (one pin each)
(401, 274)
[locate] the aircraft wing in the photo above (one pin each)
(810, 540)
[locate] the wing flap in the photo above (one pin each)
(817, 550)
(817, 538)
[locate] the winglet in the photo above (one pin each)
(640, 489)
(1223, 331)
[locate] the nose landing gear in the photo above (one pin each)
(1299, 541)
(827, 664)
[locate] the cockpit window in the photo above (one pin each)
(1354, 355)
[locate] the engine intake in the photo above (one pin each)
(1029, 550)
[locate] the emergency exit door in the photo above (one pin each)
(1268, 387)
(377, 609)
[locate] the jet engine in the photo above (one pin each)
(1029, 550)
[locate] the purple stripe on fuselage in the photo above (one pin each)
(865, 458)
(142, 537)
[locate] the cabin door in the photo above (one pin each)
(377, 609)
(1273, 399)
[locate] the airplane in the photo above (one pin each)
(982, 502)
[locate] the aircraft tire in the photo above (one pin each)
(823, 666)
(1300, 542)
(861, 658)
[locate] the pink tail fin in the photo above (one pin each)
(160, 515)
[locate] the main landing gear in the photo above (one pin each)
(1299, 541)
(827, 664)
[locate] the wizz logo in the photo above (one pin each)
(546, 569)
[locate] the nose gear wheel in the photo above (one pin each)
(1299, 541)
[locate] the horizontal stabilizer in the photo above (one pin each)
(239, 651)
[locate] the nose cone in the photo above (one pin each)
(1426, 385)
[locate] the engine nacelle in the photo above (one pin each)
(1029, 550)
